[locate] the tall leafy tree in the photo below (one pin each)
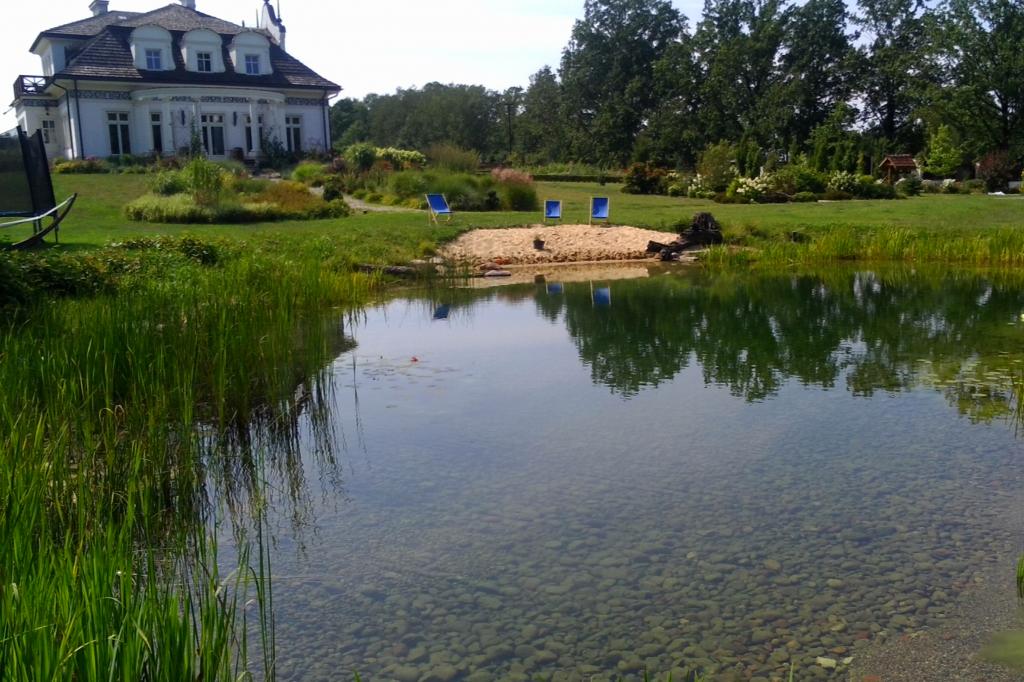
(984, 94)
(738, 44)
(818, 65)
(540, 124)
(895, 74)
(607, 73)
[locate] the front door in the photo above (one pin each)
(213, 134)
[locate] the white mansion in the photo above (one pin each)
(130, 83)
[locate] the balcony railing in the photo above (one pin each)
(30, 85)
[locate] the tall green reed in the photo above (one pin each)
(119, 415)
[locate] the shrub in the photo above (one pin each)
(976, 186)
(841, 181)
(361, 156)
(805, 197)
(166, 183)
(910, 186)
(834, 195)
(204, 180)
(996, 169)
(374, 197)
(360, 193)
(84, 166)
(500, 175)
(334, 188)
(408, 184)
(401, 159)
(867, 187)
(310, 173)
(644, 178)
(518, 196)
(796, 178)
(716, 166)
(452, 158)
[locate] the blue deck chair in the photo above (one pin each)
(552, 209)
(599, 208)
(437, 205)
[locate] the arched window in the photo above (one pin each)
(202, 51)
(250, 53)
(151, 49)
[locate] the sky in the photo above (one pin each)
(364, 46)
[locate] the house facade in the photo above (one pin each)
(120, 83)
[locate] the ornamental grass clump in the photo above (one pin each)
(207, 193)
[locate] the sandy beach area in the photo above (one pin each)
(562, 244)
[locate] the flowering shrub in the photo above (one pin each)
(405, 159)
(699, 188)
(841, 181)
(751, 189)
(511, 175)
(950, 186)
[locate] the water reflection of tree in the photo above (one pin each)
(878, 331)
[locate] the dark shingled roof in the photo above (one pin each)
(899, 161)
(108, 55)
(91, 26)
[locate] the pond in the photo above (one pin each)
(729, 473)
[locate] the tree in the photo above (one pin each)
(738, 45)
(895, 74)
(349, 122)
(818, 65)
(607, 74)
(540, 125)
(984, 94)
(944, 154)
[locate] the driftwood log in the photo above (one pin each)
(703, 231)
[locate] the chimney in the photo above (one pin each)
(271, 22)
(190, 4)
(98, 7)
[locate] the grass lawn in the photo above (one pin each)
(396, 237)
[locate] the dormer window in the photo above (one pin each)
(154, 61)
(252, 64)
(204, 62)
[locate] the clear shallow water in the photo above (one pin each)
(727, 473)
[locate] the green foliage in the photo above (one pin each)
(334, 188)
(361, 156)
(87, 166)
(910, 186)
(401, 159)
(518, 196)
(644, 178)
(796, 178)
(717, 166)
(310, 173)
(944, 154)
(204, 180)
(273, 201)
(452, 158)
(167, 183)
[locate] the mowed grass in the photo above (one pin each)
(975, 228)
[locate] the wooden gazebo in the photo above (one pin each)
(896, 166)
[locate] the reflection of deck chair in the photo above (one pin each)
(437, 205)
(26, 190)
(552, 209)
(599, 208)
(601, 297)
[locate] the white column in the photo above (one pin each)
(254, 123)
(168, 129)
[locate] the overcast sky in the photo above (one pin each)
(364, 46)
